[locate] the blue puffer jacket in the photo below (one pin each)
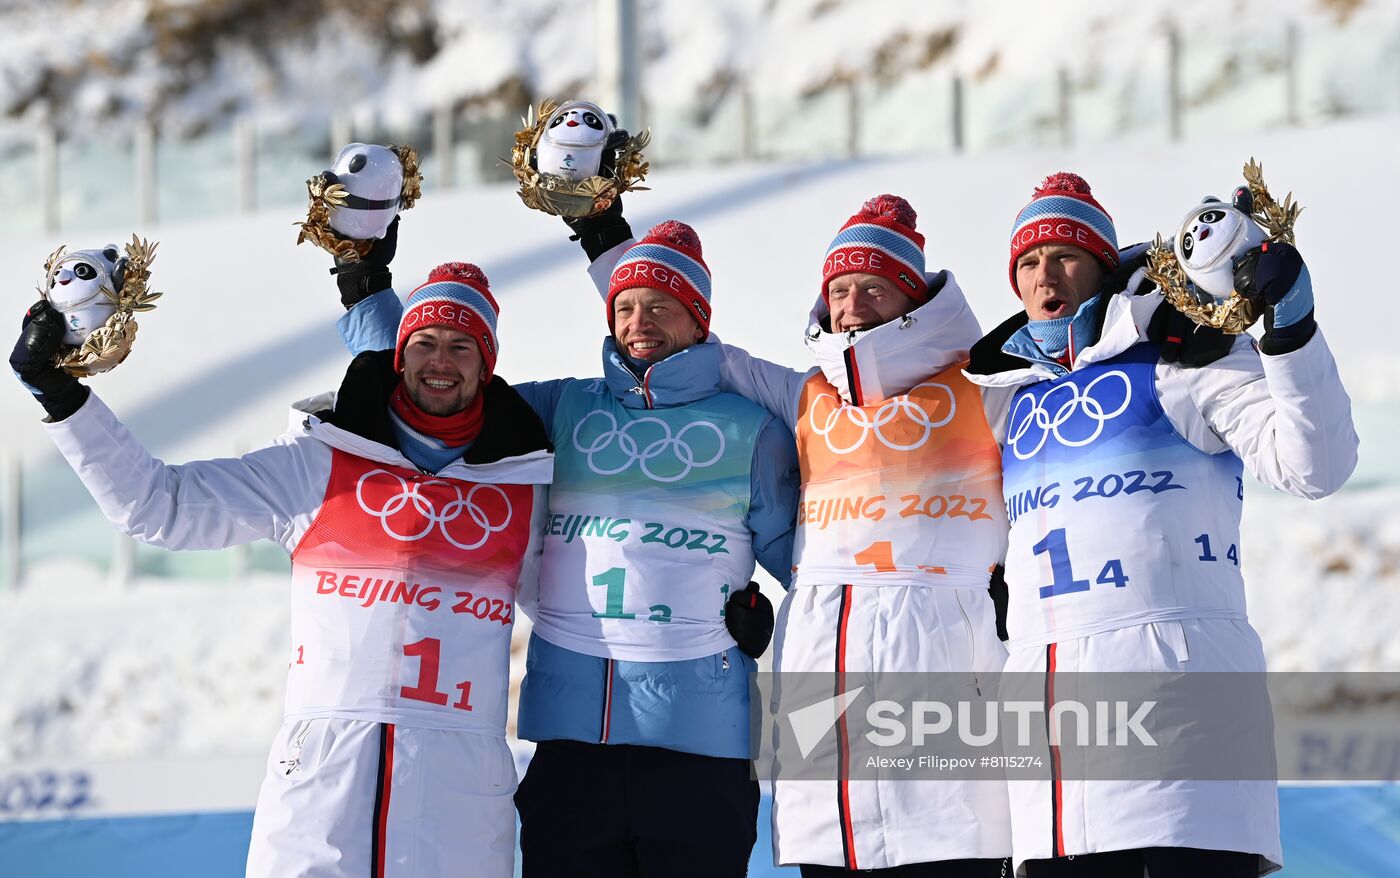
(694, 706)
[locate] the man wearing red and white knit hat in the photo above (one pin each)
(412, 504)
(886, 416)
(635, 688)
(1080, 391)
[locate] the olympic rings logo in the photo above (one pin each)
(900, 408)
(1029, 413)
(648, 442)
(408, 493)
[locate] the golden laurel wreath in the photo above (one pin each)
(109, 344)
(325, 197)
(1237, 313)
(559, 196)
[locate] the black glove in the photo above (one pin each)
(600, 233)
(32, 361)
(749, 617)
(363, 278)
(1001, 598)
(1184, 341)
(1276, 275)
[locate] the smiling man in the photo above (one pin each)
(411, 503)
(665, 493)
(884, 424)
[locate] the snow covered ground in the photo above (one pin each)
(184, 670)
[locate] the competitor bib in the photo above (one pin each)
(403, 596)
(1115, 519)
(647, 535)
(906, 491)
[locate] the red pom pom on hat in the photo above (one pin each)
(459, 271)
(1064, 182)
(676, 233)
(893, 207)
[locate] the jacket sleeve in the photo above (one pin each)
(600, 270)
(543, 397)
(1288, 417)
(372, 324)
(773, 492)
(776, 388)
(272, 493)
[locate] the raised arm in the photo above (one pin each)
(271, 493)
(1285, 411)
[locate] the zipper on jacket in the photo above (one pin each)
(646, 387)
(298, 742)
(971, 642)
(607, 701)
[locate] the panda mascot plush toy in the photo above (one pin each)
(1211, 237)
(572, 143)
(352, 204)
(99, 293)
(572, 160)
(373, 179)
(83, 287)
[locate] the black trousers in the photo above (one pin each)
(623, 811)
(1157, 863)
(940, 869)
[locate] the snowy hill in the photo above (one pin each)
(191, 65)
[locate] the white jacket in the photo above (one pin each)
(1124, 484)
(403, 584)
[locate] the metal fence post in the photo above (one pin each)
(618, 84)
(1174, 101)
(1065, 110)
(245, 151)
(46, 145)
(959, 114)
(342, 132)
(123, 561)
(13, 510)
(1290, 74)
(748, 122)
(852, 120)
(443, 146)
(143, 148)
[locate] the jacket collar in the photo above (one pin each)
(1126, 318)
(355, 420)
(685, 377)
(1007, 357)
(876, 364)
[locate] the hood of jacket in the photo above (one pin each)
(871, 365)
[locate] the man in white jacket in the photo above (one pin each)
(1123, 480)
(410, 504)
(899, 526)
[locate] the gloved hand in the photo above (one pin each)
(1276, 275)
(32, 361)
(748, 616)
(607, 164)
(361, 279)
(1184, 341)
(600, 233)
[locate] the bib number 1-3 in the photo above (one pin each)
(614, 580)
